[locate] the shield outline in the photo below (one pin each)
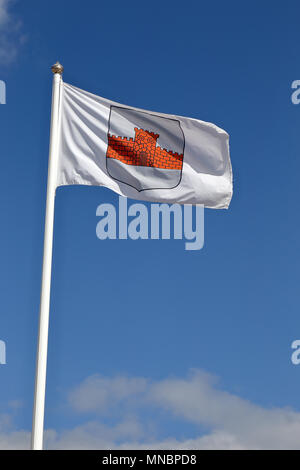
(151, 114)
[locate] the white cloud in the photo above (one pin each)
(230, 421)
(99, 394)
(10, 34)
(94, 435)
(229, 417)
(10, 438)
(4, 17)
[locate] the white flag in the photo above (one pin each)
(142, 154)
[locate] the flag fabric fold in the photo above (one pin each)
(142, 154)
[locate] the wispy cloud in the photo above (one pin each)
(4, 16)
(99, 394)
(11, 36)
(231, 422)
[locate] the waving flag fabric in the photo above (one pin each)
(142, 154)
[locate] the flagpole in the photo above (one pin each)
(41, 360)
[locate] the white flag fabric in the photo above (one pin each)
(142, 154)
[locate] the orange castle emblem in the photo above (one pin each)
(143, 151)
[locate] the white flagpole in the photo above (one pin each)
(41, 360)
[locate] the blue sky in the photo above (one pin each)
(138, 329)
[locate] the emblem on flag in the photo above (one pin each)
(144, 151)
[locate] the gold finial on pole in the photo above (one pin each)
(57, 68)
